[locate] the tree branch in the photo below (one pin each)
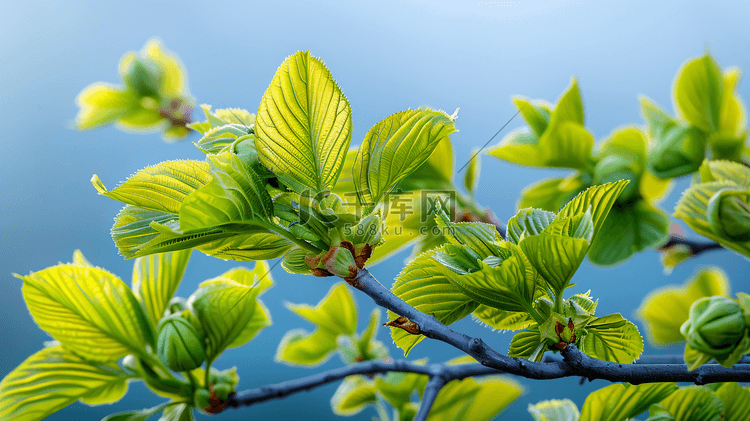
(694, 247)
(574, 362)
(430, 393)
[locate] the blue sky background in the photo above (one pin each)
(387, 56)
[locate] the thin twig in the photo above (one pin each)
(694, 247)
(430, 393)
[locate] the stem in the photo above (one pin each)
(430, 393)
(382, 410)
(534, 314)
(206, 383)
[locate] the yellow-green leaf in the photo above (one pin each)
(353, 395)
(52, 379)
(102, 104)
(161, 187)
(471, 178)
(550, 194)
(698, 91)
(394, 148)
(527, 344)
(736, 401)
(89, 310)
(555, 257)
(600, 198)
(304, 124)
(476, 400)
(693, 404)
(225, 306)
(612, 338)
(666, 309)
(132, 229)
(501, 319)
(620, 402)
(554, 410)
(536, 113)
(155, 281)
(252, 246)
(336, 312)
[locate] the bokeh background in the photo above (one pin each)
(387, 56)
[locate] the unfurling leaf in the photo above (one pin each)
(304, 124)
(155, 281)
(620, 402)
(394, 148)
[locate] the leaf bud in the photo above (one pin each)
(176, 305)
(295, 261)
(202, 398)
(679, 151)
(339, 261)
(222, 390)
(179, 345)
(715, 326)
(728, 214)
(369, 231)
(142, 76)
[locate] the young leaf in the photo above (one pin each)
(251, 246)
(471, 178)
(132, 229)
(527, 344)
(89, 310)
(555, 257)
(735, 400)
(569, 106)
(225, 306)
(528, 222)
(511, 286)
(304, 125)
(501, 319)
(52, 379)
(666, 309)
(536, 113)
(693, 403)
(161, 187)
(476, 400)
(299, 347)
(638, 226)
(261, 319)
(353, 395)
(612, 338)
(600, 198)
(550, 194)
(554, 410)
(102, 104)
(436, 173)
(398, 388)
(620, 402)
(155, 281)
(698, 91)
(394, 148)
(735, 172)
(235, 194)
(425, 285)
(181, 412)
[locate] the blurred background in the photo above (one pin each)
(387, 56)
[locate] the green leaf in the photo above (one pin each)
(304, 125)
(555, 257)
(554, 410)
(692, 208)
(501, 319)
(471, 177)
(732, 118)
(89, 310)
(735, 401)
(252, 246)
(666, 309)
(224, 307)
(612, 338)
(511, 286)
(299, 347)
(620, 402)
(527, 344)
(476, 400)
(334, 315)
(102, 104)
(436, 173)
(161, 187)
(398, 388)
(480, 237)
(693, 404)
(600, 198)
(626, 142)
(217, 139)
(569, 106)
(657, 412)
(132, 229)
(638, 226)
(698, 91)
(353, 395)
(368, 335)
(528, 222)
(155, 281)
(424, 284)
(536, 113)
(235, 194)
(550, 194)
(261, 319)
(735, 172)
(394, 148)
(52, 379)
(136, 415)
(181, 412)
